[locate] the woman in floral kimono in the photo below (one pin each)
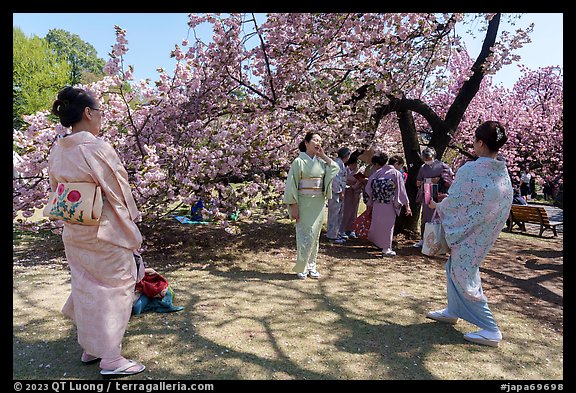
(101, 257)
(308, 186)
(386, 196)
(472, 215)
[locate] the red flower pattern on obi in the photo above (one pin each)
(74, 196)
(60, 189)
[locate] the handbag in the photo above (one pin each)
(361, 225)
(76, 203)
(434, 239)
(152, 285)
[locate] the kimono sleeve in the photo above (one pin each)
(112, 177)
(330, 172)
(446, 178)
(51, 179)
(401, 190)
(420, 175)
(369, 192)
(458, 215)
(351, 180)
(291, 187)
(339, 182)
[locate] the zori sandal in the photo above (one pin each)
(124, 369)
(88, 359)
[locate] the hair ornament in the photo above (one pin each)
(499, 134)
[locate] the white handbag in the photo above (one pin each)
(434, 239)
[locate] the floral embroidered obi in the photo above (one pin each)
(383, 190)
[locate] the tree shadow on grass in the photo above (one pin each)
(400, 349)
(173, 348)
(193, 344)
(532, 286)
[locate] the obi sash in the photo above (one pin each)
(310, 186)
(383, 190)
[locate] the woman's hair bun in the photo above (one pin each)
(58, 106)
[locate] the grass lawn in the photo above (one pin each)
(246, 317)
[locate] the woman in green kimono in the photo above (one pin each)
(308, 185)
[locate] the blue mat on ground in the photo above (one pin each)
(186, 220)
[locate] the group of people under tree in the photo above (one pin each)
(382, 186)
(471, 228)
(101, 257)
(381, 183)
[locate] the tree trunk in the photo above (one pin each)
(409, 224)
(442, 129)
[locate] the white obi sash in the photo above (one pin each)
(310, 186)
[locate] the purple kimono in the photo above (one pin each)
(429, 171)
(351, 200)
(386, 194)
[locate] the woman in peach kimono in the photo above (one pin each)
(101, 257)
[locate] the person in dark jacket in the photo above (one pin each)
(517, 199)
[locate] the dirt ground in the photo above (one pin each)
(247, 317)
(522, 270)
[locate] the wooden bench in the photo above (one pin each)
(521, 214)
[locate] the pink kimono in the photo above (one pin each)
(102, 266)
(351, 200)
(386, 194)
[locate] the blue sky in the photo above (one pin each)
(151, 37)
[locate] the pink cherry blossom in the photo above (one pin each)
(236, 107)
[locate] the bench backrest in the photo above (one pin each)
(530, 213)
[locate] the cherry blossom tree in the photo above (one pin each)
(532, 113)
(236, 107)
